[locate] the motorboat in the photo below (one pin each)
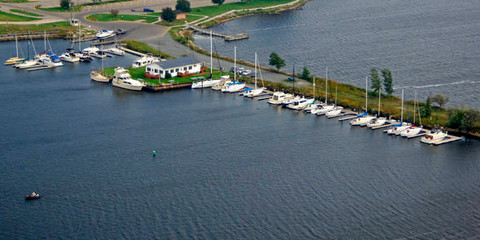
(69, 57)
(434, 136)
(28, 64)
(207, 83)
(90, 50)
(301, 103)
(362, 121)
(322, 110)
(398, 129)
(32, 196)
(104, 34)
(99, 77)
(85, 57)
(288, 101)
(99, 54)
(410, 132)
(278, 97)
(144, 61)
(115, 51)
(56, 61)
(379, 121)
(334, 113)
(123, 79)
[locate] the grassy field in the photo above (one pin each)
(58, 9)
(216, 10)
(190, 18)
(25, 12)
(145, 48)
(14, 1)
(105, 17)
(63, 27)
(104, 2)
(137, 73)
(10, 17)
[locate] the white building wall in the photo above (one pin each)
(157, 70)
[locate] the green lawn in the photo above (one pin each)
(26, 12)
(137, 73)
(14, 1)
(215, 10)
(190, 18)
(105, 17)
(56, 26)
(105, 2)
(58, 9)
(4, 16)
(145, 48)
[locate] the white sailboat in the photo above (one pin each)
(234, 86)
(380, 120)
(256, 91)
(414, 130)
(122, 79)
(325, 107)
(210, 82)
(363, 119)
(337, 110)
(16, 59)
(98, 76)
(399, 128)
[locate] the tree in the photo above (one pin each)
(114, 12)
(387, 81)
(66, 4)
(305, 74)
(470, 118)
(276, 61)
(455, 118)
(376, 83)
(219, 2)
(427, 108)
(440, 100)
(183, 5)
(168, 14)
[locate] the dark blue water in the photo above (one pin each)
(433, 45)
(227, 168)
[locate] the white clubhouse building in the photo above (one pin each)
(174, 67)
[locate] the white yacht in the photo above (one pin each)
(414, 130)
(90, 50)
(377, 123)
(122, 79)
(288, 101)
(278, 97)
(434, 136)
(301, 103)
(322, 110)
(335, 112)
(364, 119)
(410, 132)
(104, 34)
(144, 61)
(99, 77)
(69, 57)
(233, 87)
(28, 64)
(399, 128)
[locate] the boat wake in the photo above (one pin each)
(438, 85)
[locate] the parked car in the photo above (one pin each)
(148, 10)
(246, 72)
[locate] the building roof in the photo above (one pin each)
(174, 63)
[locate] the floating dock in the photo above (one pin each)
(167, 86)
(227, 37)
(348, 118)
(447, 139)
(39, 68)
(132, 51)
(389, 124)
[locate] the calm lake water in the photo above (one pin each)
(433, 44)
(227, 168)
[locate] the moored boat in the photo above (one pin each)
(32, 196)
(123, 79)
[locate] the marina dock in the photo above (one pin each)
(389, 124)
(447, 139)
(347, 118)
(227, 37)
(167, 86)
(139, 54)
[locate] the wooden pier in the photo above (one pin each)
(388, 124)
(447, 139)
(39, 68)
(132, 51)
(227, 37)
(348, 118)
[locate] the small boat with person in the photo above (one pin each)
(32, 196)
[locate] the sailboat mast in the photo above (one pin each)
(45, 41)
(326, 85)
(293, 82)
(211, 54)
(255, 70)
(336, 93)
(235, 63)
(379, 100)
(366, 94)
(314, 89)
(101, 46)
(401, 118)
(16, 44)
(79, 39)
(414, 106)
